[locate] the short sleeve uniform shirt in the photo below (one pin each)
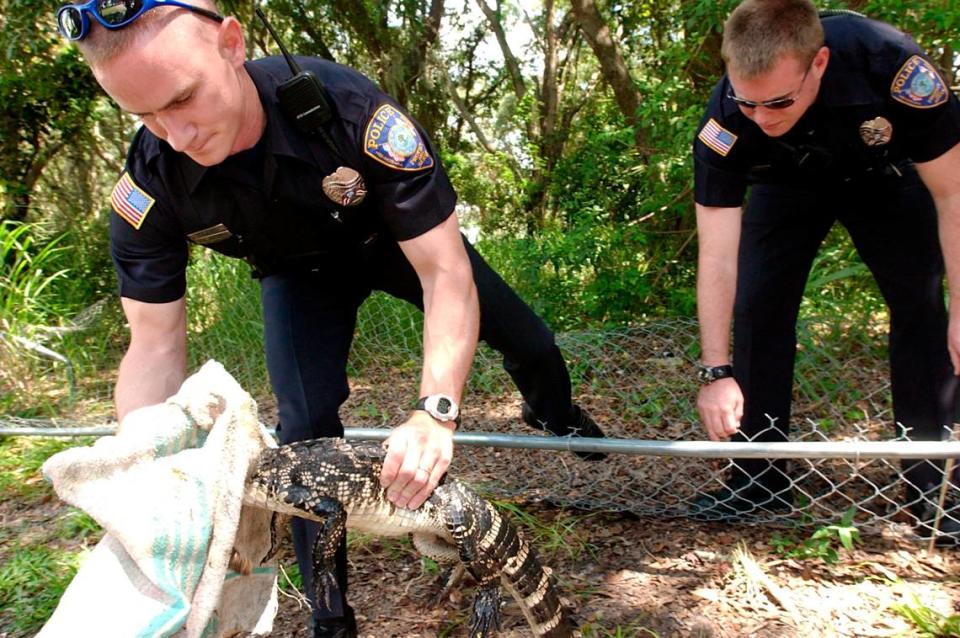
(882, 103)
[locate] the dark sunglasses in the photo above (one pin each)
(775, 104)
(74, 22)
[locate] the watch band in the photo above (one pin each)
(709, 374)
(441, 407)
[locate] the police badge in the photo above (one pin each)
(876, 132)
(345, 187)
(918, 84)
(392, 140)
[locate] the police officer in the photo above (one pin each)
(323, 220)
(839, 118)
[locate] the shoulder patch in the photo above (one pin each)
(716, 137)
(394, 141)
(130, 201)
(918, 84)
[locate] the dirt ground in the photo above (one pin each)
(628, 576)
(621, 575)
(624, 576)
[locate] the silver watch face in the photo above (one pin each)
(441, 407)
(709, 374)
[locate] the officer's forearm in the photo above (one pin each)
(948, 213)
(719, 238)
(450, 329)
(155, 364)
(148, 376)
(942, 177)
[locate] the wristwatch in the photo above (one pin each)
(442, 407)
(709, 374)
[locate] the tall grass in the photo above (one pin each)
(28, 269)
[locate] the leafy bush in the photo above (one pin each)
(823, 543)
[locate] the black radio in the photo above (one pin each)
(302, 98)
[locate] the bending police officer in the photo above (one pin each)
(835, 119)
(217, 164)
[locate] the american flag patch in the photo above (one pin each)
(716, 137)
(130, 201)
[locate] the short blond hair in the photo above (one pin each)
(759, 32)
(102, 44)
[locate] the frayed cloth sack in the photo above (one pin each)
(168, 491)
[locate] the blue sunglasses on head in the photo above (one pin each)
(114, 14)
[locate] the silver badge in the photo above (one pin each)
(876, 132)
(345, 187)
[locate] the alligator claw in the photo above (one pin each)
(275, 521)
(451, 578)
(326, 584)
(486, 611)
(295, 495)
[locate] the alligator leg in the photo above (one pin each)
(333, 526)
(464, 524)
(451, 578)
(275, 519)
(486, 611)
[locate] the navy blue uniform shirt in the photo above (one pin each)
(267, 204)
(881, 105)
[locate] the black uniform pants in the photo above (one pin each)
(309, 321)
(893, 224)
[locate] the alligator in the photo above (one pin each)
(338, 484)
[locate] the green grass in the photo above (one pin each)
(633, 629)
(20, 461)
(562, 536)
(35, 569)
(393, 548)
(31, 583)
(77, 524)
(929, 622)
(823, 544)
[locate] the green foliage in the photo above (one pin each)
(21, 459)
(27, 270)
(823, 543)
(78, 524)
(589, 226)
(47, 95)
(31, 583)
(34, 576)
(39, 293)
(935, 24)
(929, 622)
(225, 318)
(563, 534)
(290, 580)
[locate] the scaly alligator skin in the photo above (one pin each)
(338, 484)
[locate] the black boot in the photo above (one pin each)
(744, 495)
(345, 627)
(924, 505)
(579, 424)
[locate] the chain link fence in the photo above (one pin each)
(637, 381)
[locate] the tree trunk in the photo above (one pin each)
(612, 65)
(513, 67)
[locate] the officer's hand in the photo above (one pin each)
(418, 453)
(721, 407)
(953, 340)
